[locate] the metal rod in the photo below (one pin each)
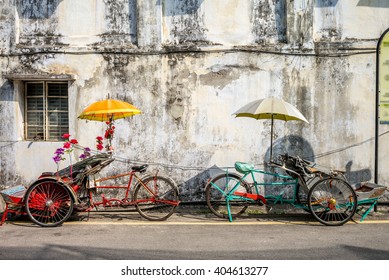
(271, 138)
(377, 110)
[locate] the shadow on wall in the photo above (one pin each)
(179, 8)
(36, 9)
(194, 188)
(297, 146)
(374, 3)
(326, 3)
(358, 176)
(293, 145)
(6, 92)
(367, 3)
(281, 21)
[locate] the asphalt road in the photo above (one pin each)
(125, 236)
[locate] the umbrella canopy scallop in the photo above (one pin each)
(109, 110)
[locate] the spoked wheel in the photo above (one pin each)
(216, 193)
(302, 198)
(332, 201)
(48, 203)
(157, 198)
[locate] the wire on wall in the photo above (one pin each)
(203, 168)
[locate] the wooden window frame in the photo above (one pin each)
(46, 112)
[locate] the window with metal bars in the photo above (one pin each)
(46, 110)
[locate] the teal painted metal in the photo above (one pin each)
(302, 175)
(230, 196)
(372, 202)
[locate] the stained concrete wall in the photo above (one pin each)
(188, 65)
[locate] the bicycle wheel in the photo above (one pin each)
(156, 198)
(302, 198)
(332, 201)
(48, 203)
(216, 191)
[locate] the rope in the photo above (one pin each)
(203, 168)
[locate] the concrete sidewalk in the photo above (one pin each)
(187, 214)
(195, 214)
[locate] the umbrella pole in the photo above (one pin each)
(271, 138)
(109, 138)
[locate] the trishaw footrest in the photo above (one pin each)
(251, 196)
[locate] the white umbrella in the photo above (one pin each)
(271, 108)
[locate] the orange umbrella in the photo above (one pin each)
(109, 110)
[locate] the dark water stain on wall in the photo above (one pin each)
(327, 3)
(36, 9)
(38, 25)
(30, 64)
(268, 20)
(188, 23)
(176, 7)
(121, 20)
(116, 67)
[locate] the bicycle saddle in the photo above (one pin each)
(243, 167)
(140, 168)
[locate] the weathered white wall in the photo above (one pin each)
(188, 65)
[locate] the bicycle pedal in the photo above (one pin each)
(80, 207)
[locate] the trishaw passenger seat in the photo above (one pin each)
(47, 174)
(312, 169)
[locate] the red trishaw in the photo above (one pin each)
(55, 196)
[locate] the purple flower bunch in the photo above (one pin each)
(59, 155)
(86, 153)
(68, 149)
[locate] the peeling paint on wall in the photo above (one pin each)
(219, 78)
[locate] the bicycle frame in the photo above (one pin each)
(126, 201)
(234, 195)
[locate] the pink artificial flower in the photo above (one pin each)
(66, 136)
(99, 138)
(74, 141)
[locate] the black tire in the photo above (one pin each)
(332, 201)
(216, 199)
(161, 202)
(48, 203)
(302, 198)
